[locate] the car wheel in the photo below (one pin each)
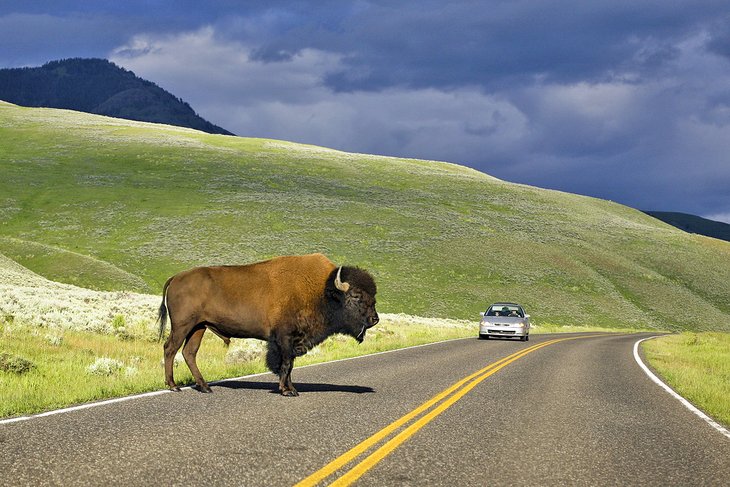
(527, 337)
(523, 338)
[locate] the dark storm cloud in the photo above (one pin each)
(32, 33)
(496, 44)
(719, 41)
(624, 100)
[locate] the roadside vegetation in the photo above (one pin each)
(48, 368)
(697, 366)
(62, 344)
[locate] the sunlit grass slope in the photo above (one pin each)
(98, 201)
(697, 366)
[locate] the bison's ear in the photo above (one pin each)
(334, 295)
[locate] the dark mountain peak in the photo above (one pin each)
(98, 86)
(81, 65)
(693, 224)
(93, 68)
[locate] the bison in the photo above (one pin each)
(292, 302)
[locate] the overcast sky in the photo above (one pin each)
(623, 100)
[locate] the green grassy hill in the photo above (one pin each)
(112, 204)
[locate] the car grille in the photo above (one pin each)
(503, 332)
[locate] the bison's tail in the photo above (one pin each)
(162, 316)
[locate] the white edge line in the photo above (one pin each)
(15, 420)
(718, 427)
(165, 391)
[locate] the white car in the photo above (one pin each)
(505, 320)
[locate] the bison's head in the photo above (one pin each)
(350, 294)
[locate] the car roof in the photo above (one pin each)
(506, 304)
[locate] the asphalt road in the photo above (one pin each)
(573, 412)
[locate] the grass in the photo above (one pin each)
(116, 205)
(43, 369)
(697, 366)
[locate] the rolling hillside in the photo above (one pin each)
(29, 298)
(112, 204)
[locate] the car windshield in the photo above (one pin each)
(505, 310)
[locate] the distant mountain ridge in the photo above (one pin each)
(101, 87)
(693, 224)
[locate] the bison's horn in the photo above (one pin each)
(342, 286)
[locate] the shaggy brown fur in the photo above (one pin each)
(292, 302)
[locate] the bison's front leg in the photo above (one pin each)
(285, 384)
(280, 360)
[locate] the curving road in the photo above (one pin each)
(547, 412)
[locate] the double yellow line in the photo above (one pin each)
(444, 399)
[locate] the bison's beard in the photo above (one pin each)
(361, 336)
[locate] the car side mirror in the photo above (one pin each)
(481, 313)
(527, 316)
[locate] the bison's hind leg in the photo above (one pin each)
(172, 345)
(190, 350)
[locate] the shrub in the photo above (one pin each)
(120, 328)
(245, 351)
(15, 364)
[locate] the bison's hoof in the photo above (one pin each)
(290, 393)
(175, 389)
(205, 389)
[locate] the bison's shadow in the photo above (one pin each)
(273, 387)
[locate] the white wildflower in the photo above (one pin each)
(54, 340)
(105, 366)
(34, 300)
